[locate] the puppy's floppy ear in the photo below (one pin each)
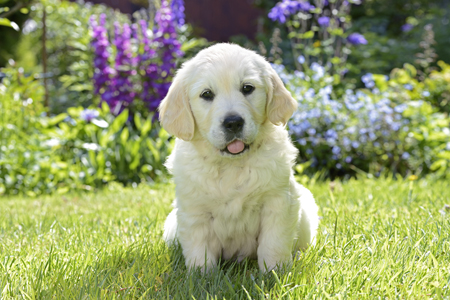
(280, 104)
(175, 112)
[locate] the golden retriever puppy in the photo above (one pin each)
(236, 195)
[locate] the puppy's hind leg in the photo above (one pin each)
(170, 228)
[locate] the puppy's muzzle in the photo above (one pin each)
(233, 124)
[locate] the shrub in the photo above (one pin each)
(78, 150)
(385, 126)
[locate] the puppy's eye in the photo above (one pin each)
(247, 89)
(207, 95)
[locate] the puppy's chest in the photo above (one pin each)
(238, 217)
(234, 185)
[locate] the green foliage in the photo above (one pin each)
(382, 238)
(389, 46)
(69, 62)
(46, 154)
(13, 14)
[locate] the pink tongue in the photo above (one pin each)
(236, 147)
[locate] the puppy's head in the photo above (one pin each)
(224, 94)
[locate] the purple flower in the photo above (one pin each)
(89, 114)
(407, 27)
(356, 39)
(324, 21)
(285, 8)
(123, 94)
(177, 7)
(277, 14)
(159, 64)
(100, 45)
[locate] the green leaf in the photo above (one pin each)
(153, 150)
(120, 120)
(308, 35)
(124, 135)
(335, 60)
(8, 23)
(55, 120)
(137, 121)
(337, 31)
(192, 43)
(147, 126)
(438, 164)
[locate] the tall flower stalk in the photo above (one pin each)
(102, 70)
(158, 73)
(124, 64)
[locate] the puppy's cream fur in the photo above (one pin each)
(234, 206)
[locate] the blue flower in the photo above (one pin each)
(408, 86)
(336, 150)
(299, 74)
(407, 27)
(368, 80)
(310, 93)
(426, 93)
(395, 126)
(324, 21)
(400, 108)
(278, 68)
(302, 142)
(348, 159)
(318, 70)
(89, 114)
(346, 141)
(405, 155)
(301, 59)
(311, 131)
(356, 39)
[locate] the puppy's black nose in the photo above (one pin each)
(233, 123)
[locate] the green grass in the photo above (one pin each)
(376, 240)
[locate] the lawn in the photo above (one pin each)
(378, 238)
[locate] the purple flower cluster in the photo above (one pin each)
(158, 73)
(155, 59)
(121, 93)
(285, 8)
(100, 44)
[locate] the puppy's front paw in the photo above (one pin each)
(205, 265)
(268, 263)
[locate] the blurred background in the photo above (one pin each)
(81, 81)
